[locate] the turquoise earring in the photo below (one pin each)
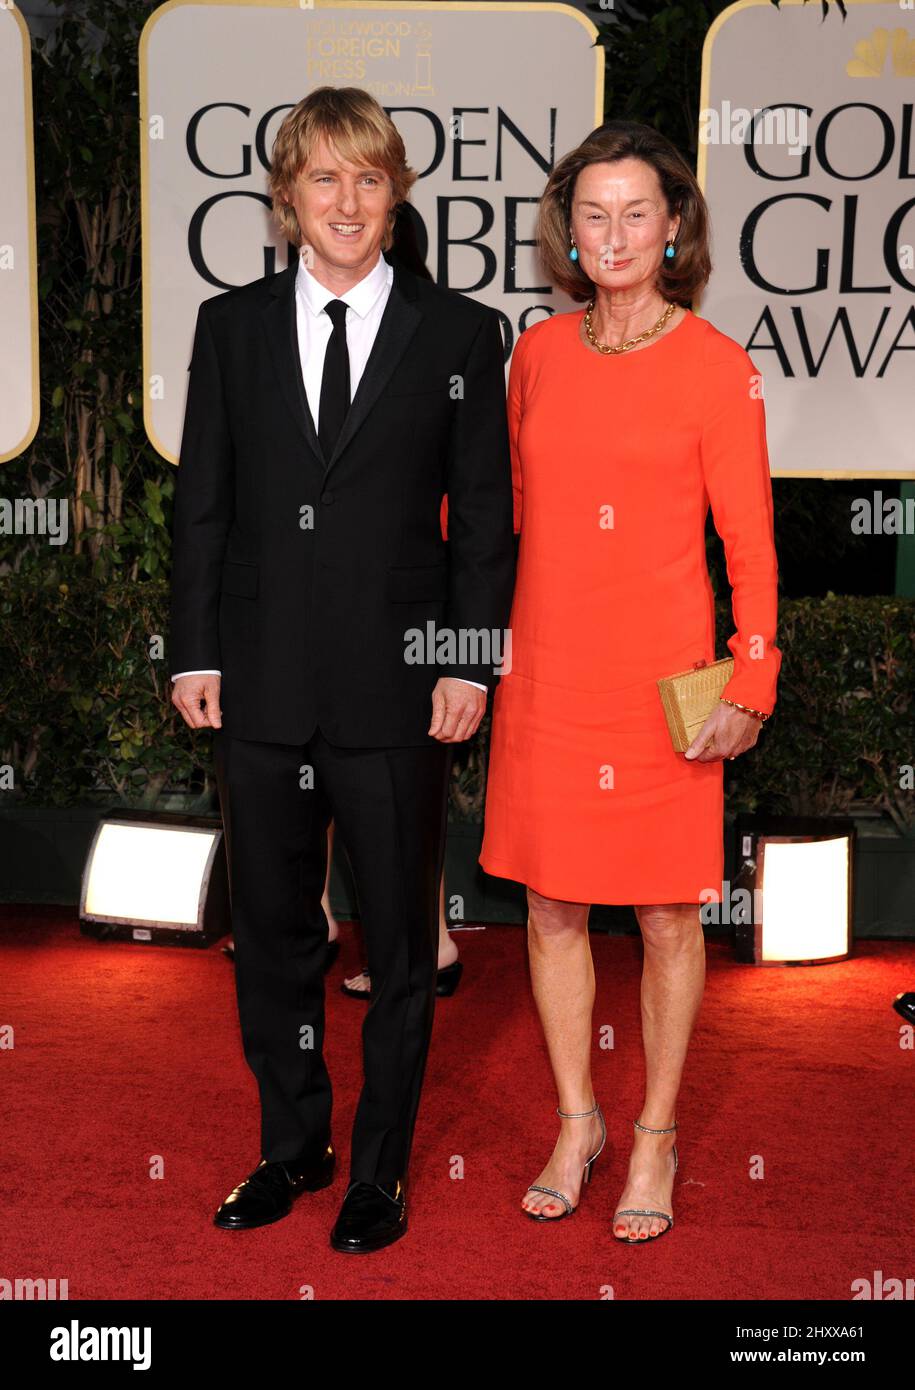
(670, 251)
(573, 254)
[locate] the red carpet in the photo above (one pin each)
(124, 1053)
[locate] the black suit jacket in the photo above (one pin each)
(298, 576)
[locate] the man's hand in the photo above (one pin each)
(726, 732)
(457, 709)
(187, 693)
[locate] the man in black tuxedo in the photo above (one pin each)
(329, 409)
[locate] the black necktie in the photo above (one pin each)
(334, 401)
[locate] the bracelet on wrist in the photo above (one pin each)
(746, 708)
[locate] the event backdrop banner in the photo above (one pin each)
(487, 98)
(807, 159)
(18, 268)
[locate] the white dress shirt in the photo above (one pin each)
(365, 303)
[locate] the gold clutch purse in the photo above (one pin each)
(690, 696)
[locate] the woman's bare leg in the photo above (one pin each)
(333, 930)
(447, 946)
(673, 979)
(562, 975)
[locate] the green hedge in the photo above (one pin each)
(85, 708)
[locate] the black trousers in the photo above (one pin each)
(389, 807)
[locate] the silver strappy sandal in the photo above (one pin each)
(644, 1211)
(586, 1175)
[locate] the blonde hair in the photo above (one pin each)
(357, 128)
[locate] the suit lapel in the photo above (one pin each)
(399, 322)
(280, 324)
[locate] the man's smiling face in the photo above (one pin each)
(343, 213)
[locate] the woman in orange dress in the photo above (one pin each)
(627, 419)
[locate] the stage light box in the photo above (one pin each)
(156, 877)
(799, 871)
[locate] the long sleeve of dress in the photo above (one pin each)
(735, 464)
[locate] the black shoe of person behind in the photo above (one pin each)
(447, 980)
(373, 1215)
(904, 1004)
(268, 1194)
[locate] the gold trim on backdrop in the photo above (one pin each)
(29, 133)
(713, 31)
(415, 6)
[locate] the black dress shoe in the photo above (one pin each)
(372, 1216)
(268, 1194)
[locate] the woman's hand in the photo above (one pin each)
(727, 732)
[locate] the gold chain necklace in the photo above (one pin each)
(630, 342)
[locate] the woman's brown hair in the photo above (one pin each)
(679, 279)
(360, 130)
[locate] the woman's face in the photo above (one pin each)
(620, 223)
